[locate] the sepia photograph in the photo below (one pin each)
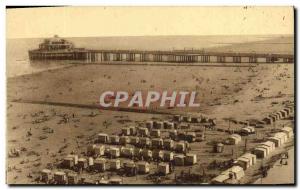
(171, 95)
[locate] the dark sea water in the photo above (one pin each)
(18, 61)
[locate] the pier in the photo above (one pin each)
(61, 49)
(191, 56)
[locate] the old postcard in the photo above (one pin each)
(150, 95)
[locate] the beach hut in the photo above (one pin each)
(143, 132)
(273, 117)
(220, 179)
(190, 159)
(269, 144)
(155, 133)
(260, 152)
(90, 149)
(250, 157)
(196, 120)
(169, 126)
(82, 163)
(114, 139)
(127, 152)
(72, 178)
(157, 143)
(114, 152)
(134, 140)
(90, 161)
(177, 118)
(102, 138)
(280, 115)
(157, 155)
(219, 148)
(46, 175)
(275, 140)
(158, 125)
(187, 119)
(68, 163)
(168, 144)
(183, 127)
(143, 167)
(179, 160)
(163, 168)
(165, 124)
(99, 150)
(149, 125)
(60, 177)
(103, 181)
(268, 148)
(147, 154)
(114, 164)
(107, 151)
(125, 131)
(288, 131)
(234, 139)
(74, 157)
(100, 164)
(283, 136)
(130, 167)
(180, 147)
(173, 134)
(132, 130)
(145, 142)
(277, 116)
(116, 181)
(268, 120)
(287, 110)
(181, 135)
(245, 131)
(283, 113)
(236, 172)
(190, 136)
(88, 181)
(168, 156)
(137, 152)
(243, 162)
(252, 129)
(124, 140)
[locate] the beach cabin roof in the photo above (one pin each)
(261, 148)
(243, 159)
(268, 143)
(100, 160)
(102, 134)
(248, 155)
(236, 136)
(59, 173)
(246, 129)
(251, 128)
(235, 169)
(266, 147)
(288, 129)
(220, 178)
(46, 171)
(280, 135)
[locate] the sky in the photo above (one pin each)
(147, 21)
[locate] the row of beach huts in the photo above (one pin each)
(237, 172)
(284, 113)
(72, 178)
